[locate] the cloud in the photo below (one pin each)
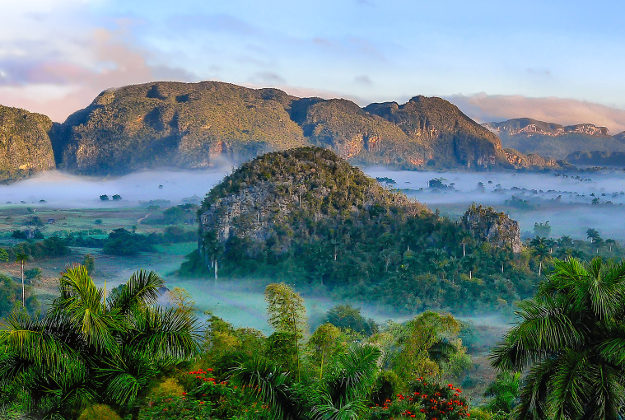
(267, 78)
(59, 85)
(484, 108)
(363, 79)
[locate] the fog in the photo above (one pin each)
(63, 190)
(565, 200)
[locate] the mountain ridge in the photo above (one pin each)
(557, 141)
(197, 125)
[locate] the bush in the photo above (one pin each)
(167, 388)
(99, 412)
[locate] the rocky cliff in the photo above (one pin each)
(25, 146)
(495, 227)
(453, 138)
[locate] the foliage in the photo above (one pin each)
(89, 262)
(347, 317)
(87, 350)
(504, 392)
(98, 412)
(11, 297)
(122, 242)
(287, 315)
(428, 346)
(570, 335)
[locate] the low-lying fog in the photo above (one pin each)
(565, 200)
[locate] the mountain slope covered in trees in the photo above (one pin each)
(307, 215)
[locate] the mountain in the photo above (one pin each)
(196, 125)
(307, 216)
(25, 146)
(555, 140)
(597, 158)
(454, 138)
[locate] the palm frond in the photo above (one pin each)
(273, 386)
(164, 334)
(141, 289)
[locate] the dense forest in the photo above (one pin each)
(92, 356)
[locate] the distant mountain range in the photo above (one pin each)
(584, 144)
(197, 125)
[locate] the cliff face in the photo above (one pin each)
(25, 146)
(195, 125)
(531, 127)
(554, 140)
(489, 225)
(454, 138)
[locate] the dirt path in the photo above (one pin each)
(141, 219)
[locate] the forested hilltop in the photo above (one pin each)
(199, 125)
(308, 216)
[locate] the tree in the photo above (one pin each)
(593, 235)
(542, 230)
(571, 336)
(87, 350)
(4, 255)
(504, 391)
(342, 394)
(540, 249)
(89, 262)
(287, 313)
(323, 341)
(427, 344)
(348, 317)
(22, 258)
(182, 301)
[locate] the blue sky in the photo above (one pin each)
(562, 60)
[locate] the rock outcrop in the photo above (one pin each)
(497, 228)
(25, 146)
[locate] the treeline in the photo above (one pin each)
(383, 257)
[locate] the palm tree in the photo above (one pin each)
(22, 258)
(86, 349)
(540, 249)
(572, 337)
(341, 395)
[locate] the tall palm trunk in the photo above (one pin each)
(23, 289)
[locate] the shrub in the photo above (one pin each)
(99, 412)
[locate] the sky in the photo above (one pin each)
(561, 61)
